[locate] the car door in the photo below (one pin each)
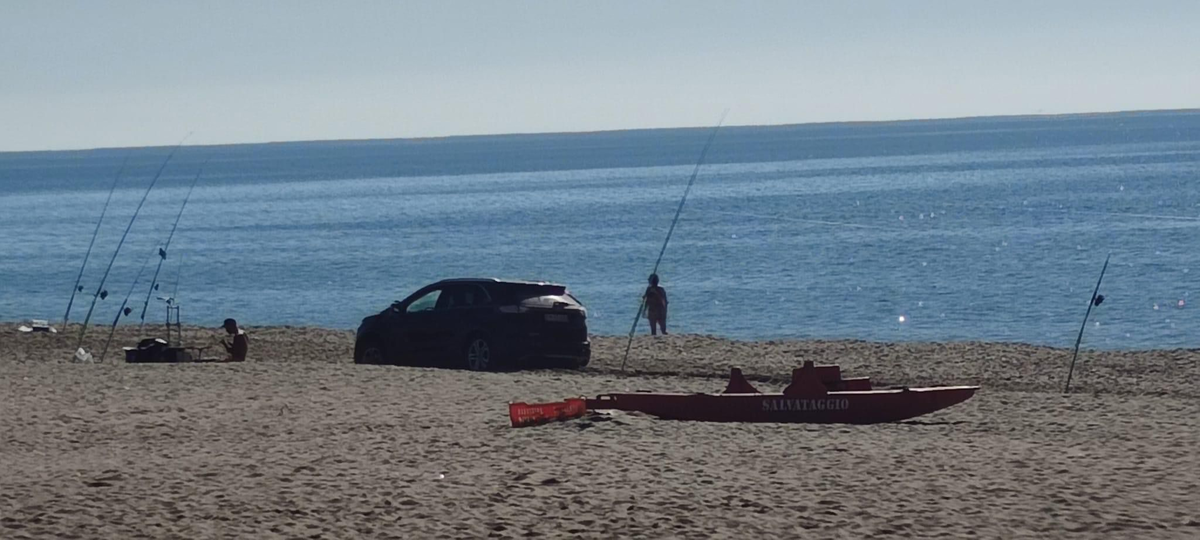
(395, 341)
(418, 327)
(441, 325)
(467, 308)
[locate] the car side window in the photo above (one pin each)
(463, 297)
(449, 299)
(425, 303)
(474, 296)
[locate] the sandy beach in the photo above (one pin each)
(299, 442)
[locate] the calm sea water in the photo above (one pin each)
(976, 229)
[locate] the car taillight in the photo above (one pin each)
(512, 309)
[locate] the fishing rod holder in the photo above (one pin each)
(158, 350)
(173, 321)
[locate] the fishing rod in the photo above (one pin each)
(124, 310)
(104, 210)
(100, 292)
(178, 273)
(162, 253)
(1097, 299)
(670, 231)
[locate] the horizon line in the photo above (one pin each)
(615, 130)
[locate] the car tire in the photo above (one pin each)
(371, 352)
(479, 354)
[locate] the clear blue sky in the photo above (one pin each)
(89, 74)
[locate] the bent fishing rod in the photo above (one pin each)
(100, 292)
(671, 230)
(1097, 299)
(124, 310)
(162, 253)
(104, 210)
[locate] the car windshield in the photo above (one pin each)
(425, 303)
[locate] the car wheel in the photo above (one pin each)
(479, 354)
(371, 353)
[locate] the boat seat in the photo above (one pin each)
(828, 374)
(806, 382)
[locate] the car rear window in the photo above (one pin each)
(540, 296)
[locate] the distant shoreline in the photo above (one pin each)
(465, 137)
(1010, 367)
(10, 326)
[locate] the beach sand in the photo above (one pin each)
(299, 442)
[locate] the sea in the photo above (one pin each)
(991, 229)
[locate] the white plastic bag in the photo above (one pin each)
(82, 357)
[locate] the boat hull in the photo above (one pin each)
(855, 407)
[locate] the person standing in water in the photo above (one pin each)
(241, 344)
(656, 306)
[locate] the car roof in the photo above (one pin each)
(482, 281)
(497, 280)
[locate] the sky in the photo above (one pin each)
(93, 74)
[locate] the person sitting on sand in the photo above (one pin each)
(656, 306)
(241, 344)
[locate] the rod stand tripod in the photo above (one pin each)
(173, 322)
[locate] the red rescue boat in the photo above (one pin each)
(817, 394)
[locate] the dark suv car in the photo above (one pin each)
(479, 324)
